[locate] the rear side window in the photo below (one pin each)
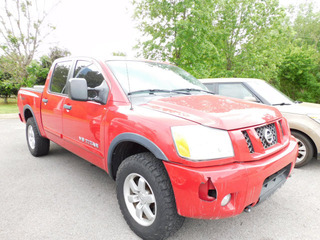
(210, 86)
(90, 72)
(236, 90)
(60, 76)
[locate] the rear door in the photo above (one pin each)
(53, 99)
(84, 122)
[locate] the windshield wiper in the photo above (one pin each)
(153, 91)
(281, 104)
(192, 90)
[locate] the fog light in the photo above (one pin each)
(226, 200)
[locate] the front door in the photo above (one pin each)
(84, 122)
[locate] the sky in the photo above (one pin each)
(93, 27)
(98, 27)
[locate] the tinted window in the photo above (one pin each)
(236, 90)
(59, 77)
(90, 72)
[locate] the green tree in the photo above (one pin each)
(57, 52)
(250, 36)
(38, 70)
(7, 86)
(212, 38)
(307, 26)
(119, 54)
(298, 74)
(22, 30)
(176, 31)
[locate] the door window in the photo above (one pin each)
(236, 90)
(210, 86)
(90, 72)
(93, 76)
(60, 76)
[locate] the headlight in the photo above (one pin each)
(315, 117)
(196, 142)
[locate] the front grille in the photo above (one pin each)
(268, 135)
(248, 140)
(281, 128)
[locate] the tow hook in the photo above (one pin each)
(248, 209)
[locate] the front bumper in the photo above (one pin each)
(244, 181)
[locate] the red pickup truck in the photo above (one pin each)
(174, 149)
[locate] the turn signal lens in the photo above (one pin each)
(182, 145)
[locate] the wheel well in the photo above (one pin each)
(122, 151)
(312, 143)
(27, 114)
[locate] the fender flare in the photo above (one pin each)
(28, 107)
(136, 138)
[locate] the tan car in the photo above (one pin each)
(303, 118)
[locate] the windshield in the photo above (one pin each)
(269, 93)
(137, 76)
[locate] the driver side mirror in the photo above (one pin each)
(78, 89)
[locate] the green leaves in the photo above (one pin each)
(235, 38)
(298, 74)
(7, 86)
(208, 38)
(21, 31)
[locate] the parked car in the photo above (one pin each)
(174, 149)
(303, 118)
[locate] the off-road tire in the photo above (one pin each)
(305, 149)
(166, 221)
(38, 145)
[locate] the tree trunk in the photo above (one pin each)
(229, 64)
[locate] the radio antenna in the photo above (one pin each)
(129, 95)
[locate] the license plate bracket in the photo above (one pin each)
(273, 182)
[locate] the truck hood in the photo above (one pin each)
(215, 111)
(302, 108)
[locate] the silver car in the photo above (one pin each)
(303, 118)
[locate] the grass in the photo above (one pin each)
(11, 107)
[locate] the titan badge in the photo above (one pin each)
(82, 139)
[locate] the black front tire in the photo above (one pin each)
(306, 151)
(38, 145)
(146, 197)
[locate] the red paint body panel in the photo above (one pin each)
(51, 114)
(242, 180)
(89, 129)
(217, 112)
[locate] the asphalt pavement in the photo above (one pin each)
(61, 196)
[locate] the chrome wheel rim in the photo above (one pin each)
(140, 199)
(302, 153)
(31, 138)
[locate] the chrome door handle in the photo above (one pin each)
(68, 107)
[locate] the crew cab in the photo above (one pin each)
(174, 149)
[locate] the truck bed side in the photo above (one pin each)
(29, 103)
